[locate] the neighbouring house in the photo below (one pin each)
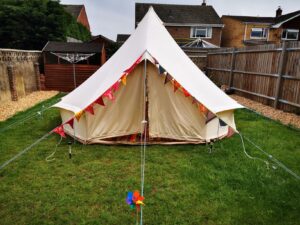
(240, 31)
(121, 38)
(186, 22)
(62, 75)
(79, 13)
(101, 40)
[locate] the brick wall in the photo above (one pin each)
(83, 19)
(184, 34)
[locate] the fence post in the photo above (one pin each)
(12, 82)
(37, 76)
(281, 68)
(232, 67)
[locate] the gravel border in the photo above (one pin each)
(10, 108)
(275, 114)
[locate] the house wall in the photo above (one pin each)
(83, 19)
(234, 33)
(183, 34)
(292, 24)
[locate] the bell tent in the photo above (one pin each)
(148, 91)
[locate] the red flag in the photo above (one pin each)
(203, 109)
(116, 86)
(186, 93)
(90, 109)
(134, 65)
(100, 101)
(109, 95)
(194, 101)
(60, 130)
(230, 132)
(71, 122)
(176, 85)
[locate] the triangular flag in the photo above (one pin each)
(123, 79)
(60, 130)
(186, 93)
(71, 122)
(90, 109)
(194, 101)
(222, 123)
(176, 85)
(134, 65)
(161, 70)
(78, 115)
(100, 101)
(109, 95)
(133, 138)
(168, 78)
(230, 132)
(210, 116)
(116, 86)
(203, 109)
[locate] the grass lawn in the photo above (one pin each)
(184, 184)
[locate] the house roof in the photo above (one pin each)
(284, 18)
(180, 14)
(101, 36)
(122, 37)
(252, 19)
(74, 10)
(54, 46)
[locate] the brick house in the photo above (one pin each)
(240, 31)
(186, 22)
(79, 13)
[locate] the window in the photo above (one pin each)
(289, 34)
(201, 32)
(259, 33)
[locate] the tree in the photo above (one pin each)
(30, 24)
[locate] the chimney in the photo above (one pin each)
(204, 3)
(278, 11)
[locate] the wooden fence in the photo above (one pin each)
(269, 74)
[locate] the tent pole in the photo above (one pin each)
(143, 143)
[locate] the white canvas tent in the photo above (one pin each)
(172, 117)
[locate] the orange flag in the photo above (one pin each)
(176, 85)
(78, 115)
(203, 109)
(123, 79)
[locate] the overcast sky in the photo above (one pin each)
(112, 17)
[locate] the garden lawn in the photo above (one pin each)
(184, 184)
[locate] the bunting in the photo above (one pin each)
(176, 85)
(116, 86)
(60, 130)
(230, 132)
(203, 109)
(194, 101)
(78, 115)
(100, 101)
(186, 93)
(210, 116)
(109, 95)
(222, 123)
(168, 78)
(90, 109)
(71, 122)
(161, 70)
(123, 79)
(128, 71)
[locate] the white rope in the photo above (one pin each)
(24, 150)
(31, 116)
(53, 153)
(249, 156)
(143, 142)
(276, 161)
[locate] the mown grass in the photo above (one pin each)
(184, 184)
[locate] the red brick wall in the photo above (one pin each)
(184, 33)
(83, 19)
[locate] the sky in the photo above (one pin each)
(112, 17)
